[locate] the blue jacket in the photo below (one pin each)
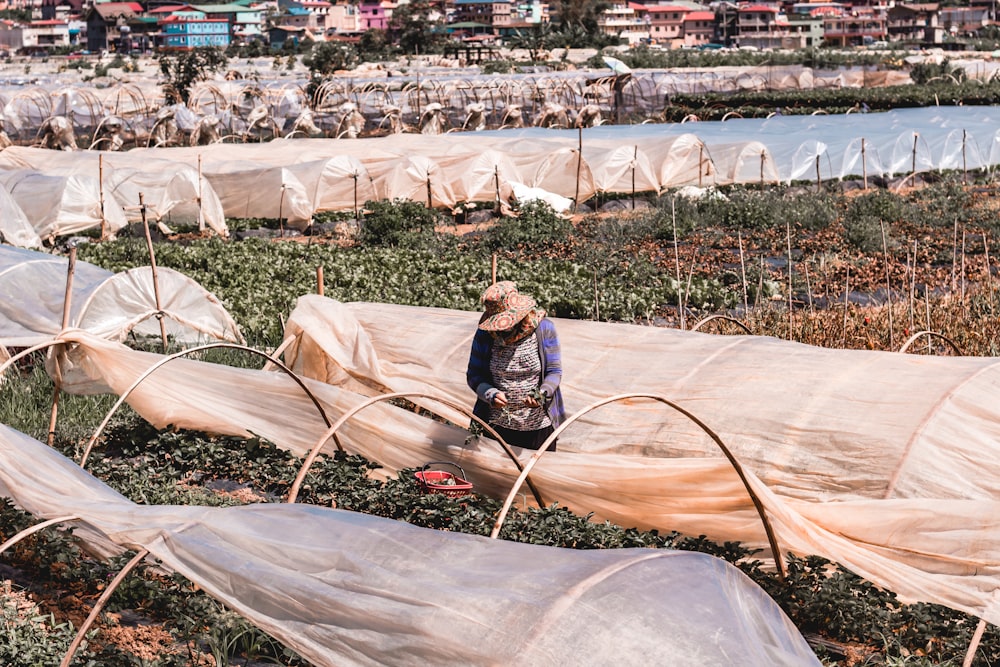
(480, 380)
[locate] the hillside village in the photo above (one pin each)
(81, 27)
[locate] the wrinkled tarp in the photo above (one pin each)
(172, 191)
(109, 305)
(342, 588)
(907, 502)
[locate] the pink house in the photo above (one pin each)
(375, 15)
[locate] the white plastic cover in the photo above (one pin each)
(109, 305)
(61, 205)
(15, 229)
(907, 502)
(342, 588)
(172, 190)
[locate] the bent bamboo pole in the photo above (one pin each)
(31, 530)
(101, 601)
(772, 540)
(724, 318)
(149, 371)
(314, 452)
(931, 334)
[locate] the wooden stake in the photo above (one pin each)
(888, 285)
(152, 266)
(66, 315)
(579, 166)
(100, 190)
(635, 158)
(677, 262)
(281, 206)
(788, 239)
(977, 637)
(864, 164)
(989, 271)
(319, 280)
(954, 257)
(743, 270)
(847, 292)
(913, 170)
(201, 209)
(493, 272)
(356, 215)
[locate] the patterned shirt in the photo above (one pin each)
(517, 371)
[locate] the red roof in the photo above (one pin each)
(170, 9)
(668, 8)
(758, 8)
(700, 16)
(47, 22)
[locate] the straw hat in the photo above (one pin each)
(504, 306)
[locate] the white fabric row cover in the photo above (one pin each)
(109, 305)
(848, 460)
(80, 185)
(343, 588)
(137, 99)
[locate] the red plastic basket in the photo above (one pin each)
(442, 481)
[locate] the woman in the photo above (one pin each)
(515, 368)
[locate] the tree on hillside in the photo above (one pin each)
(535, 39)
(417, 27)
(183, 70)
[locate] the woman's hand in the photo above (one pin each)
(531, 402)
(500, 399)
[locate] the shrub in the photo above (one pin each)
(536, 225)
(396, 223)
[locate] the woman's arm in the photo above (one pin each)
(477, 376)
(553, 357)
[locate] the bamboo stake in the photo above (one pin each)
(701, 162)
(977, 637)
(356, 214)
(743, 270)
(819, 184)
(101, 601)
(67, 309)
(760, 283)
(954, 257)
(961, 276)
(201, 209)
(635, 158)
(762, 158)
(912, 271)
(493, 272)
(847, 292)
(864, 164)
(281, 206)
(788, 239)
(496, 184)
(677, 261)
(100, 190)
(913, 170)
(319, 280)
(579, 166)
(430, 199)
(965, 164)
(989, 270)
(152, 266)
(888, 285)
(597, 300)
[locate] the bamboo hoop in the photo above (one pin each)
(101, 601)
(737, 466)
(331, 432)
(931, 334)
(724, 318)
(31, 530)
(149, 371)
